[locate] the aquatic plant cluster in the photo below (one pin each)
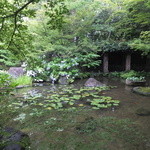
(67, 98)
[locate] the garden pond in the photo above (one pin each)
(74, 117)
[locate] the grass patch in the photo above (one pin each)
(23, 80)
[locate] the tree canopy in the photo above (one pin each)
(14, 34)
(29, 28)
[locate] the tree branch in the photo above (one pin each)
(14, 15)
(2, 24)
(17, 11)
(13, 33)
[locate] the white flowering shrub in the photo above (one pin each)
(63, 67)
(42, 70)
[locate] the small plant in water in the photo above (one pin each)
(103, 102)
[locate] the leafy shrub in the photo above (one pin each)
(63, 66)
(114, 74)
(7, 58)
(6, 84)
(129, 74)
(5, 79)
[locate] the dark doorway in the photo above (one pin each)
(138, 62)
(116, 61)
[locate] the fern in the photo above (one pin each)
(7, 58)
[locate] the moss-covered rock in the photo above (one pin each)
(135, 83)
(13, 140)
(142, 90)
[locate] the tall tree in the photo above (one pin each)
(14, 34)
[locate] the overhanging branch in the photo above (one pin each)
(17, 11)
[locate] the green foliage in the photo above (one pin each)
(70, 27)
(5, 79)
(22, 80)
(56, 10)
(126, 74)
(136, 78)
(88, 60)
(7, 58)
(67, 98)
(6, 84)
(103, 102)
(72, 66)
(14, 35)
(139, 12)
(143, 43)
(129, 74)
(63, 67)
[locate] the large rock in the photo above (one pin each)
(16, 71)
(13, 140)
(91, 82)
(141, 92)
(63, 80)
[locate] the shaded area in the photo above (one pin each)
(117, 61)
(138, 62)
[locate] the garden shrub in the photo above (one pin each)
(5, 80)
(129, 74)
(72, 67)
(6, 84)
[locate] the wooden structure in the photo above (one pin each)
(124, 61)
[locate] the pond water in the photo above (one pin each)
(45, 122)
(130, 102)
